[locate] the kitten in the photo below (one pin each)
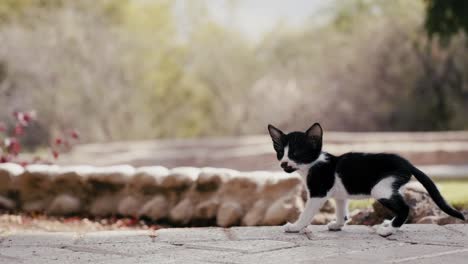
(349, 176)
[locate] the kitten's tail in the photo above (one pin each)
(434, 193)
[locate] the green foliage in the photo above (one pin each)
(14, 8)
(446, 17)
(20, 9)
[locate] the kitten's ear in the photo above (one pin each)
(276, 136)
(315, 131)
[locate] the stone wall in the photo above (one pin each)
(180, 196)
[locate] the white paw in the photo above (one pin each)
(334, 226)
(387, 222)
(292, 228)
(385, 229)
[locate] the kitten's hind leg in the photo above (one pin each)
(387, 193)
(341, 215)
(398, 206)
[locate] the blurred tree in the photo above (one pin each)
(137, 69)
(17, 9)
(14, 8)
(446, 17)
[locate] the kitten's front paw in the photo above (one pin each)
(334, 226)
(292, 228)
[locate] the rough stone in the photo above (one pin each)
(8, 175)
(328, 207)
(283, 210)
(229, 214)
(64, 204)
(355, 244)
(6, 203)
(256, 214)
(183, 196)
(180, 178)
(156, 208)
(183, 212)
(105, 205)
(207, 209)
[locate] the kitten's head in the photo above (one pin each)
(297, 149)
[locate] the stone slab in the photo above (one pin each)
(238, 245)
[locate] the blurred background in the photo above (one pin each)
(195, 83)
(140, 70)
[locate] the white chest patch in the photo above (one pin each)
(304, 168)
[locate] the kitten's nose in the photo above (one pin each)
(284, 164)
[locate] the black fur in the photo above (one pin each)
(359, 172)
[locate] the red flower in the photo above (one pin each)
(14, 146)
(74, 134)
(19, 130)
(26, 117)
(58, 141)
(55, 154)
(2, 127)
(4, 159)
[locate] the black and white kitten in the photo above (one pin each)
(349, 176)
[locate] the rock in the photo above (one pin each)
(6, 203)
(207, 210)
(381, 211)
(328, 207)
(35, 187)
(323, 218)
(243, 188)
(445, 220)
(129, 206)
(110, 179)
(283, 210)
(420, 203)
(71, 179)
(180, 178)
(210, 179)
(156, 208)
(64, 204)
(183, 212)
(35, 206)
(277, 185)
(229, 214)
(365, 217)
(105, 205)
(181, 195)
(256, 214)
(140, 189)
(431, 219)
(147, 180)
(9, 173)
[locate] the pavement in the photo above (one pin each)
(355, 244)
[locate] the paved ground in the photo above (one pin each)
(356, 244)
